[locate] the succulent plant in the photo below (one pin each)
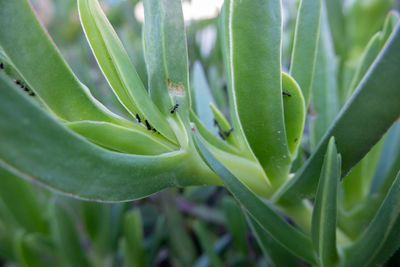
(57, 134)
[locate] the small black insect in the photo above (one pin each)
(216, 123)
(174, 108)
(1, 65)
(138, 118)
(286, 93)
(227, 133)
(295, 140)
(31, 93)
(154, 130)
(147, 125)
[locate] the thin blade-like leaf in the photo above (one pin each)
(325, 208)
(275, 252)
(261, 212)
(361, 122)
(382, 237)
(305, 45)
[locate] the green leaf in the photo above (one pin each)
(236, 224)
(65, 235)
(83, 169)
(295, 113)
(38, 61)
(226, 131)
(133, 242)
(359, 125)
(325, 208)
(118, 68)
(281, 231)
(275, 252)
(202, 97)
(166, 54)
(255, 73)
(206, 244)
(21, 199)
(305, 45)
(324, 92)
(382, 238)
(134, 140)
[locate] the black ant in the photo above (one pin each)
(138, 118)
(1, 65)
(174, 108)
(227, 133)
(147, 125)
(286, 93)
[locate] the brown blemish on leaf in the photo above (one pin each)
(175, 88)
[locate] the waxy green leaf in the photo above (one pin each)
(305, 45)
(127, 140)
(325, 208)
(255, 74)
(54, 155)
(359, 125)
(38, 61)
(260, 211)
(166, 54)
(118, 68)
(294, 111)
(381, 239)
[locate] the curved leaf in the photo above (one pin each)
(40, 64)
(294, 110)
(381, 239)
(360, 124)
(280, 230)
(325, 208)
(273, 250)
(54, 155)
(255, 72)
(117, 67)
(118, 138)
(305, 45)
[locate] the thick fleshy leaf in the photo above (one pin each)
(280, 230)
(211, 138)
(36, 58)
(166, 54)
(128, 140)
(225, 130)
(361, 122)
(324, 92)
(325, 208)
(118, 68)
(248, 171)
(305, 45)
(295, 112)
(255, 73)
(382, 238)
(54, 155)
(275, 252)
